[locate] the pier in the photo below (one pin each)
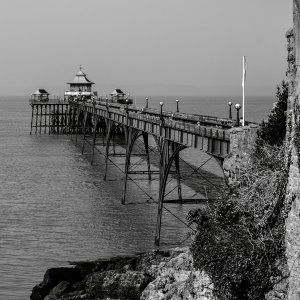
(128, 125)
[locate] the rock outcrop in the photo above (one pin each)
(155, 275)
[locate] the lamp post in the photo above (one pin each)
(161, 106)
(238, 107)
(161, 119)
(177, 105)
(230, 113)
(147, 102)
(126, 106)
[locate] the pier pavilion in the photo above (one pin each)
(40, 95)
(81, 86)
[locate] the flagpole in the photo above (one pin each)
(244, 75)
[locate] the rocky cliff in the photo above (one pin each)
(155, 275)
(292, 201)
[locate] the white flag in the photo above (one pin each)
(244, 71)
(243, 85)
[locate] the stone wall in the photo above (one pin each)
(292, 201)
(242, 142)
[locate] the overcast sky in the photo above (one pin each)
(144, 46)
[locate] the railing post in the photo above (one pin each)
(96, 120)
(147, 104)
(177, 105)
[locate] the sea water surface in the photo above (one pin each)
(55, 207)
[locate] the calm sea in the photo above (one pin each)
(55, 207)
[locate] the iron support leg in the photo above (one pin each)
(72, 121)
(94, 137)
(77, 125)
(165, 166)
(85, 116)
(146, 143)
(132, 135)
(108, 138)
(32, 108)
(164, 153)
(178, 177)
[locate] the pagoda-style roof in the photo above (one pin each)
(40, 95)
(117, 92)
(40, 92)
(81, 78)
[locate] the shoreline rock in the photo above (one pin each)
(155, 275)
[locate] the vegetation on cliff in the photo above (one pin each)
(240, 241)
(273, 132)
(297, 132)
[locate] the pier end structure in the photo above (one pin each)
(49, 116)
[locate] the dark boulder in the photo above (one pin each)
(52, 278)
(105, 264)
(60, 289)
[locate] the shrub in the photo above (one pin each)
(239, 239)
(273, 132)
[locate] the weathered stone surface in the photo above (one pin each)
(101, 284)
(131, 284)
(240, 139)
(187, 285)
(183, 261)
(128, 285)
(177, 279)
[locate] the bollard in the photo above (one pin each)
(147, 102)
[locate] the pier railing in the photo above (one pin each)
(213, 139)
